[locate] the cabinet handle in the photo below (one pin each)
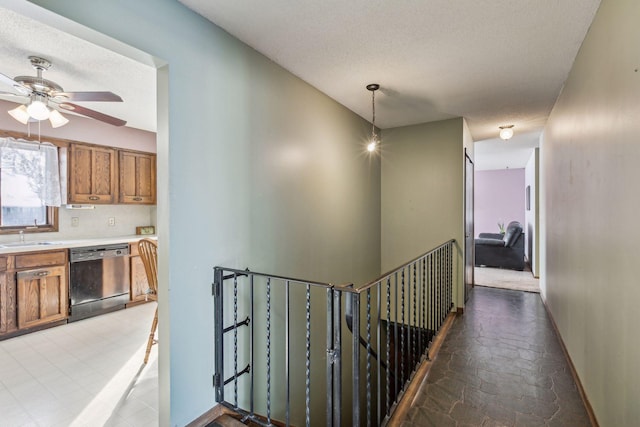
(137, 199)
(94, 198)
(42, 274)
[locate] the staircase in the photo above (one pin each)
(311, 353)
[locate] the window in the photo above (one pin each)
(29, 186)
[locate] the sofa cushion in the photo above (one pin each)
(514, 230)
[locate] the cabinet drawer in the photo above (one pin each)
(3, 264)
(41, 259)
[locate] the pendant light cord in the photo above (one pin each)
(373, 109)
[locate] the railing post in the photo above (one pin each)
(354, 300)
(330, 358)
(337, 358)
(218, 327)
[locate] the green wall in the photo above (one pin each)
(589, 163)
(423, 192)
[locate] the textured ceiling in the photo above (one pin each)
(493, 62)
(78, 66)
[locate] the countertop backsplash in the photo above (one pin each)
(93, 223)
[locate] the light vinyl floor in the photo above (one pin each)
(86, 373)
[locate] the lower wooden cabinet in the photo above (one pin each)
(7, 300)
(139, 282)
(33, 290)
(42, 296)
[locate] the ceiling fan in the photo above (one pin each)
(43, 94)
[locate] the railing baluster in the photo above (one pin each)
(450, 246)
(235, 339)
(388, 377)
(423, 289)
(396, 349)
(307, 401)
(287, 355)
(379, 352)
(433, 297)
(368, 357)
(330, 358)
(269, 351)
(442, 288)
(414, 350)
(439, 301)
(402, 335)
(251, 402)
(355, 304)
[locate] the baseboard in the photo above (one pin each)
(574, 373)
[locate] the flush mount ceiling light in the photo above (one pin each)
(374, 141)
(506, 132)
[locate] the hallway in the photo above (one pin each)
(500, 365)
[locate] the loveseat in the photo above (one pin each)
(501, 251)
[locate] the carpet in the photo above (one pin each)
(506, 279)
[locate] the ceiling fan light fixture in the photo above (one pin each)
(38, 109)
(20, 114)
(506, 132)
(57, 119)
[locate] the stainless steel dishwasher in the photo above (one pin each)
(98, 280)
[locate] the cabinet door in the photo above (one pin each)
(92, 174)
(139, 283)
(42, 296)
(137, 177)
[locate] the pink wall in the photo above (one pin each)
(499, 196)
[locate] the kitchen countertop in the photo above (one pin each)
(8, 248)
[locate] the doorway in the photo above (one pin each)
(160, 104)
(469, 257)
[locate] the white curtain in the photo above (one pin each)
(38, 161)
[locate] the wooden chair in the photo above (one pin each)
(148, 251)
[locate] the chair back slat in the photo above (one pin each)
(148, 251)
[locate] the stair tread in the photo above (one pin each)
(225, 421)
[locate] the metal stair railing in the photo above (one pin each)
(292, 331)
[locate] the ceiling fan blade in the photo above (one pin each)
(14, 84)
(16, 95)
(89, 96)
(67, 106)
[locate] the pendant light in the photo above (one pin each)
(374, 141)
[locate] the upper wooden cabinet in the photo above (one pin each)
(137, 177)
(92, 174)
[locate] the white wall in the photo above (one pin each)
(590, 169)
(532, 216)
(266, 173)
(423, 192)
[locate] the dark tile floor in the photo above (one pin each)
(500, 365)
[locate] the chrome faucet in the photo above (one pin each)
(21, 236)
